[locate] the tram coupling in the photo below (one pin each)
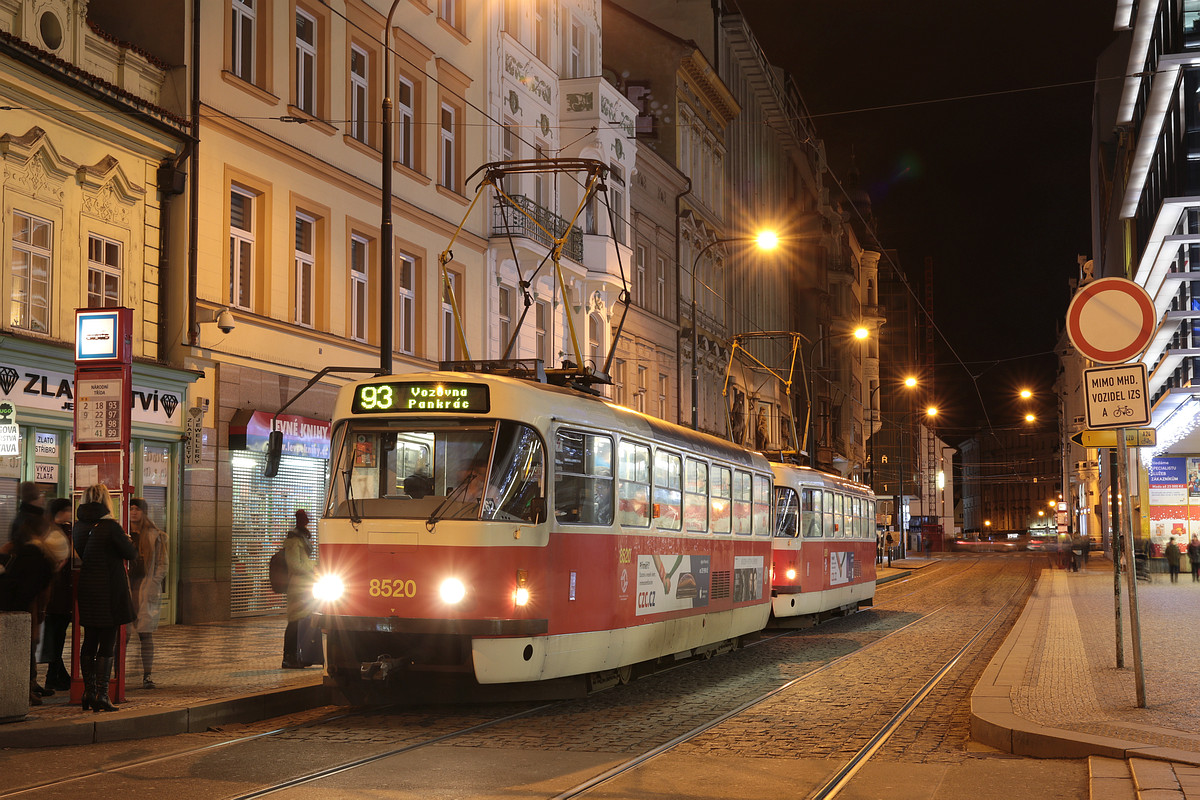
(382, 668)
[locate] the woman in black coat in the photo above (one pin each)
(105, 602)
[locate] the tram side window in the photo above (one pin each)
(695, 495)
(762, 506)
(870, 509)
(633, 485)
(810, 513)
(668, 490)
(839, 516)
(787, 512)
(583, 478)
(742, 503)
(854, 510)
(827, 515)
(721, 502)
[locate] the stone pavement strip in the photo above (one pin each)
(1053, 690)
(206, 675)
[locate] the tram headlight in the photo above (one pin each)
(790, 573)
(452, 591)
(521, 593)
(329, 587)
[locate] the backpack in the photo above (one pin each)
(278, 572)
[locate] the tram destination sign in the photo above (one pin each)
(1116, 397)
(421, 397)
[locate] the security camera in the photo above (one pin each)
(225, 321)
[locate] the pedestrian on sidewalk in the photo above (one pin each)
(1173, 559)
(105, 602)
(146, 576)
(890, 543)
(297, 549)
(60, 606)
(25, 585)
(1193, 551)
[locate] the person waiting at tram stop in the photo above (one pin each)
(1173, 559)
(1193, 553)
(297, 548)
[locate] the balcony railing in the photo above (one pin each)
(507, 220)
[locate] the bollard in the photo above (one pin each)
(14, 665)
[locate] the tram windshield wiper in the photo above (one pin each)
(459, 491)
(349, 479)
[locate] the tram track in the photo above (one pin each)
(935, 604)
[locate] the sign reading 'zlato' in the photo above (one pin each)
(422, 397)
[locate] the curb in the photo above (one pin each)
(91, 728)
(994, 723)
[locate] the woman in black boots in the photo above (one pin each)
(105, 603)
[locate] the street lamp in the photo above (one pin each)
(909, 382)
(766, 240)
(859, 333)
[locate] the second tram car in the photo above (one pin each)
(824, 554)
(509, 531)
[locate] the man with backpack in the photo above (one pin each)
(297, 554)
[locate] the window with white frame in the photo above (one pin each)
(306, 62)
(596, 340)
(541, 323)
(359, 96)
(505, 317)
(641, 389)
(639, 277)
(446, 137)
(616, 203)
(541, 180)
(104, 272)
(575, 52)
(541, 30)
(241, 247)
(406, 302)
(509, 143)
(405, 94)
(32, 257)
(305, 269)
(448, 10)
(662, 396)
(450, 349)
(660, 288)
(244, 31)
(359, 294)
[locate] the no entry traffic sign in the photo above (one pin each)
(1111, 321)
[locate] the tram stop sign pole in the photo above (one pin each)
(1111, 321)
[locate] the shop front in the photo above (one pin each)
(37, 384)
(264, 508)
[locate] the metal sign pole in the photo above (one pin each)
(1114, 513)
(1130, 572)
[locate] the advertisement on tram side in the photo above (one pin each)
(671, 583)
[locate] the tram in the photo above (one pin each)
(510, 531)
(823, 560)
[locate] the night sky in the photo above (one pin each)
(990, 183)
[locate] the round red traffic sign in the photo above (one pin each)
(1111, 320)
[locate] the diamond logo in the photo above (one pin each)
(169, 402)
(8, 379)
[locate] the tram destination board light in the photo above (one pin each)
(409, 397)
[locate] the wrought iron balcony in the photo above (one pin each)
(535, 223)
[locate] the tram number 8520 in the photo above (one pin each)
(398, 587)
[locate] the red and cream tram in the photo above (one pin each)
(513, 531)
(824, 555)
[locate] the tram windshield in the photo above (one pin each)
(441, 469)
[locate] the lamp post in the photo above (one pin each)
(810, 387)
(767, 240)
(931, 411)
(385, 226)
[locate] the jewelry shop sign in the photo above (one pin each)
(1116, 396)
